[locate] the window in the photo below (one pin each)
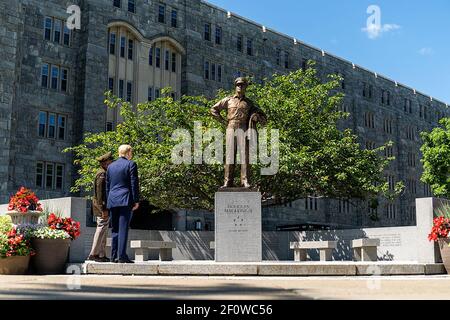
(387, 125)
(391, 211)
(239, 42)
(55, 77)
(304, 64)
(150, 94)
(48, 28)
(423, 112)
(207, 32)
(389, 151)
(59, 176)
(174, 18)
(42, 124)
(250, 47)
(412, 186)
(369, 120)
(129, 91)
(112, 43)
(218, 35)
(66, 37)
(219, 73)
(166, 60)
(57, 31)
(407, 106)
(111, 84)
(150, 56)
(386, 97)
(109, 126)
(44, 75)
(411, 159)
(391, 182)
(370, 145)
(368, 91)
(117, 3)
(411, 133)
(51, 126)
(64, 78)
(206, 69)
(213, 71)
(174, 62)
(158, 57)
(344, 206)
(130, 49)
(427, 190)
(311, 203)
(286, 60)
(162, 13)
(49, 175)
(39, 174)
(61, 127)
(123, 43)
(131, 6)
(278, 57)
(157, 94)
(121, 88)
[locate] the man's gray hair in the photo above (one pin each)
(124, 149)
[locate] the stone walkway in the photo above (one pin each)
(178, 287)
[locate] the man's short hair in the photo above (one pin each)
(124, 149)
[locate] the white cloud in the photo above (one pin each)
(375, 31)
(427, 51)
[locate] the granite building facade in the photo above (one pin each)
(52, 81)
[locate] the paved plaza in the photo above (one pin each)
(261, 288)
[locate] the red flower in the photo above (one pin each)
(24, 200)
(440, 229)
(67, 224)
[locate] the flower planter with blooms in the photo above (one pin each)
(24, 207)
(52, 243)
(15, 249)
(440, 233)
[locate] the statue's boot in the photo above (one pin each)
(245, 184)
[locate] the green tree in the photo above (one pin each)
(436, 158)
(316, 158)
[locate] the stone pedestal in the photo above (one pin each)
(238, 230)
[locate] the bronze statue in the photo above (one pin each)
(241, 114)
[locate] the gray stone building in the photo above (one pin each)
(52, 81)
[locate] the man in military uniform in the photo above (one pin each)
(241, 114)
(98, 251)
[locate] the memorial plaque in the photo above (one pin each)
(238, 227)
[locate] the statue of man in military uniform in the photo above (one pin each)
(98, 251)
(242, 114)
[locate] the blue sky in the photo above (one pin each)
(412, 46)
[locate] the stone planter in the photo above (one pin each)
(29, 217)
(16, 265)
(445, 253)
(51, 255)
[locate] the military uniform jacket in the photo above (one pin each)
(99, 200)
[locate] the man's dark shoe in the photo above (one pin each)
(102, 259)
(115, 260)
(92, 258)
(125, 261)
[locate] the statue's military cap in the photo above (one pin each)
(241, 80)
(105, 157)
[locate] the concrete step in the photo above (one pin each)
(202, 268)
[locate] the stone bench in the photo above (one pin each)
(365, 249)
(142, 249)
(325, 248)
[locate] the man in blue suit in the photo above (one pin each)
(122, 189)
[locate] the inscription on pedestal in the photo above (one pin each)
(238, 227)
